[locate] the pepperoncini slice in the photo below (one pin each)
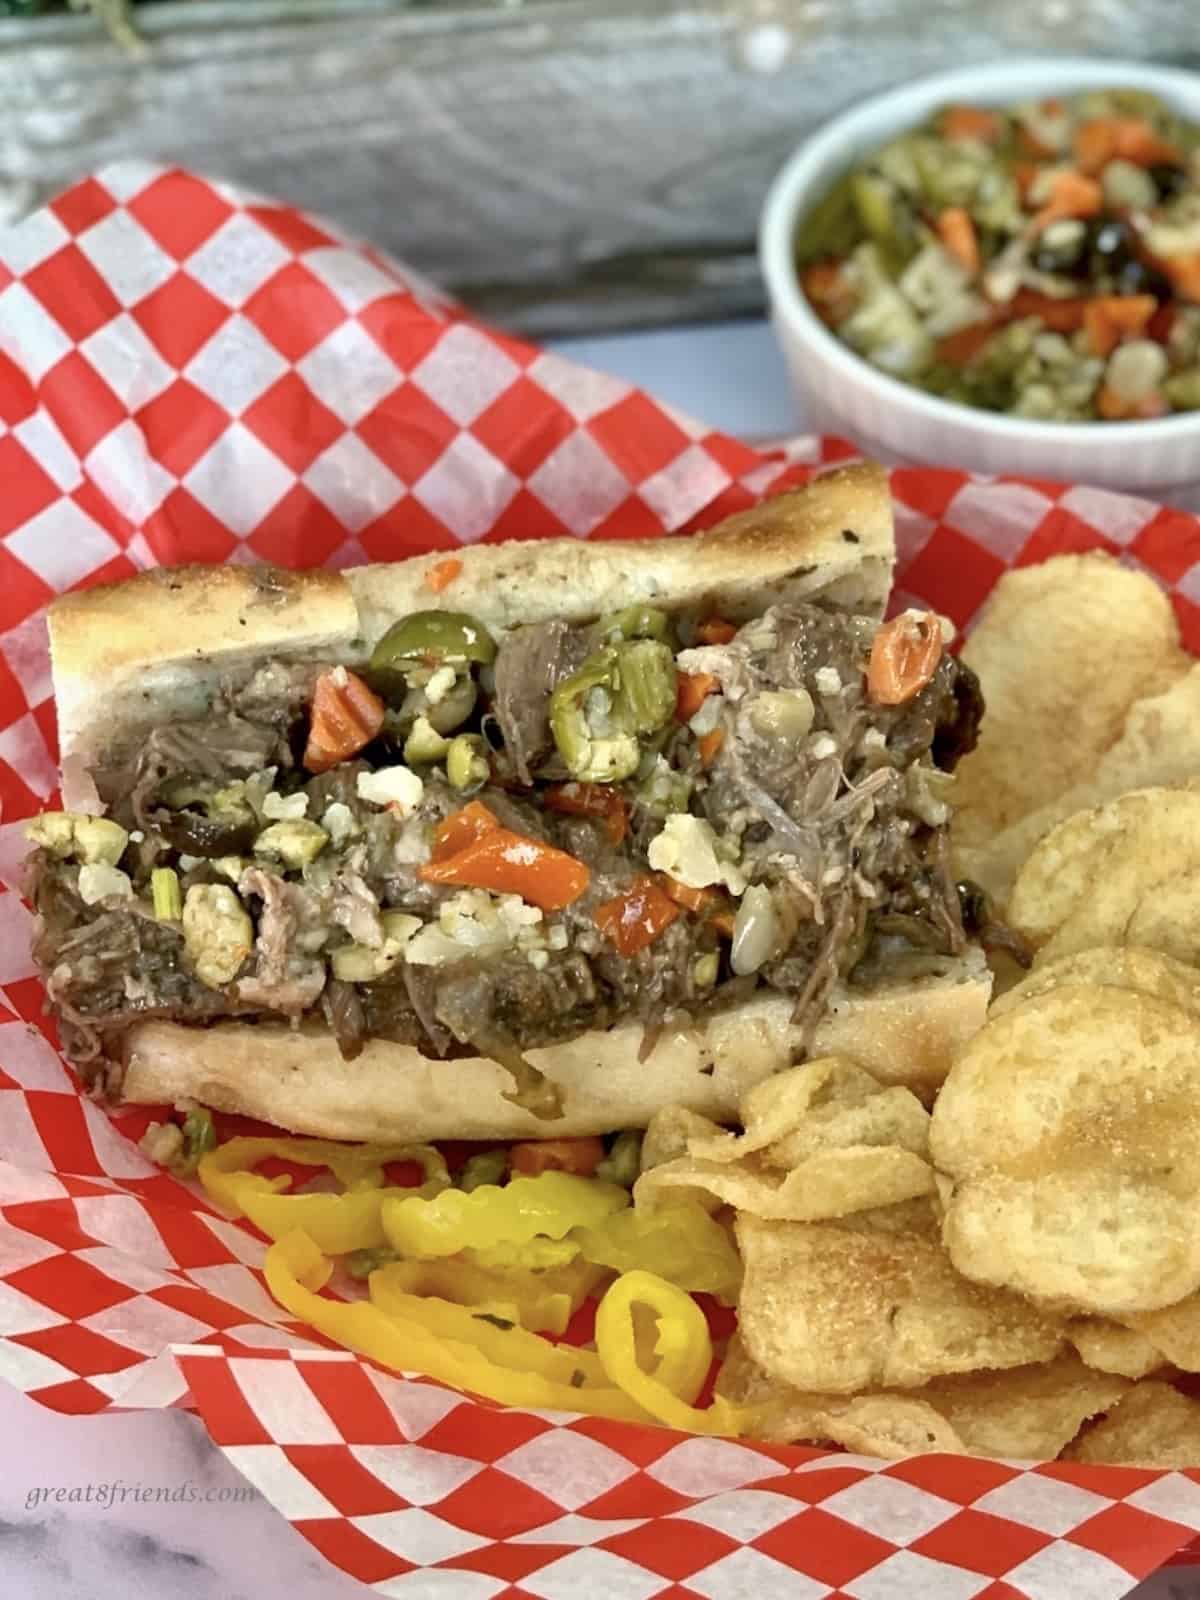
(682, 1345)
(337, 1223)
(549, 1205)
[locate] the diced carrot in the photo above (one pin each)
(971, 122)
(1113, 408)
(1030, 145)
(345, 716)
(957, 232)
(826, 290)
(1160, 324)
(461, 828)
(443, 575)
(599, 800)
(904, 657)
(1060, 316)
(1106, 139)
(1109, 318)
(1184, 273)
(709, 746)
(512, 863)
(958, 349)
(635, 919)
(1025, 173)
(580, 1156)
(1071, 195)
(684, 895)
(692, 691)
(716, 631)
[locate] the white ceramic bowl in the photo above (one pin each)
(839, 392)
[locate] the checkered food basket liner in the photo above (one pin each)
(192, 373)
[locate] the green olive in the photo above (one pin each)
(455, 706)
(434, 637)
(488, 1167)
(635, 622)
(424, 743)
(623, 1163)
(589, 756)
(467, 763)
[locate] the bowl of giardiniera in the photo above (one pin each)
(999, 268)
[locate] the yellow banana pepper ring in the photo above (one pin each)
(448, 1343)
(336, 1222)
(683, 1346)
(680, 1242)
(551, 1205)
(543, 1302)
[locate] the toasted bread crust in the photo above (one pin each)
(905, 1034)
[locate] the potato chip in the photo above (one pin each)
(1114, 967)
(830, 1183)
(1022, 1413)
(892, 1425)
(1159, 746)
(1109, 1347)
(669, 1131)
(819, 1140)
(1068, 1127)
(1069, 644)
(1174, 1331)
(844, 1306)
(1153, 1426)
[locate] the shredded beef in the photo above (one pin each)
(530, 665)
(845, 825)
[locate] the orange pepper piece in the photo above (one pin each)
(345, 716)
(904, 657)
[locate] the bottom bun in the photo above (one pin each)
(295, 1078)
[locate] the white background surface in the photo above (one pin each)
(731, 375)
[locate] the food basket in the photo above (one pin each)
(187, 373)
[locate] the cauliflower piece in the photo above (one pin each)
(70, 833)
(217, 932)
(689, 850)
(294, 843)
(391, 786)
(99, 881)
(281, 808)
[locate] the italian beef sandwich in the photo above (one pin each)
(532, 840)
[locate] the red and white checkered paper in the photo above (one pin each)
(189, 372)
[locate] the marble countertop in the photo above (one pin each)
(71, 1524)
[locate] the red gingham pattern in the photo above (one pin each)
(187, 373)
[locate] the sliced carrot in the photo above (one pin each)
(512, 863)
(1071, 195)
(1060, 316)
(1184, 273)
(957, 232)
(692, 691)
(709, 746)
(635, 919)
(684, 895)
(971, 122)
(461, 828)
(1030, 145)
(716, 631)
(1025, 173)
(1106, 139)
(1113, 408)
(961, 348)
(1160, 324)
(1108, 319)
(826, 290)
(599, 800)
(345, 716)
(904, 657)
(443, 575)
(580, 1156)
